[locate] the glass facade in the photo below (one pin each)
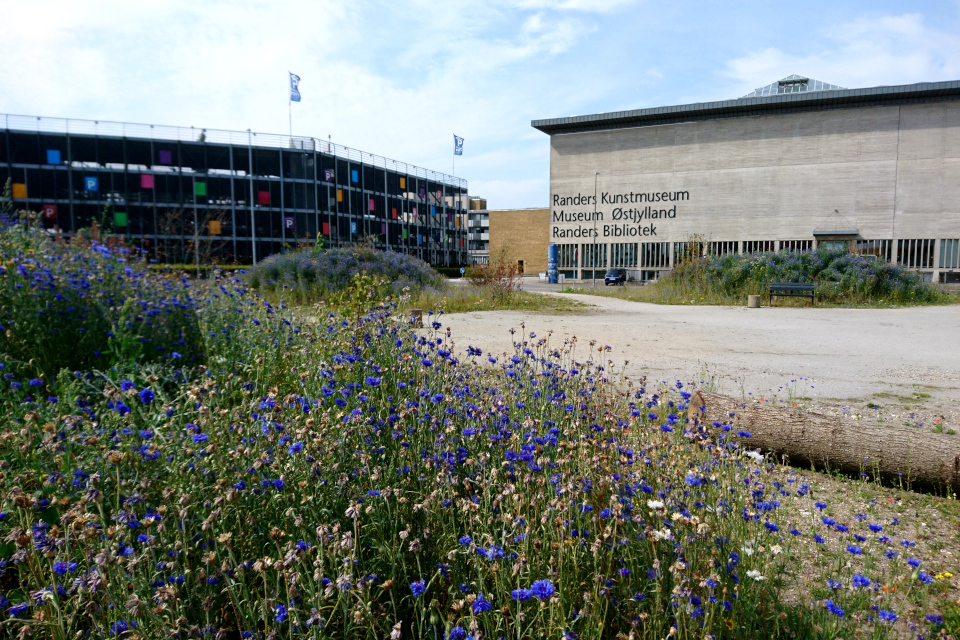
(242, 196)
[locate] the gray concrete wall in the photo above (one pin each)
(890, 172)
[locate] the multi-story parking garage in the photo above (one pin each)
(791, 166)
(238, 195)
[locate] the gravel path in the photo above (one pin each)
(900, 365)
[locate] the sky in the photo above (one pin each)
(399, 78)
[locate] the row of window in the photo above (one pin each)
(911, 253)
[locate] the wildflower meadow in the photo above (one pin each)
(187, 460)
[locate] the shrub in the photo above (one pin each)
(302, 276)
(87, 306)
(840, 276)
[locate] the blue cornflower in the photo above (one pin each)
(855, 550)
(933, 618)
(466, 540)
(146, 396)
(913, 562)
(36, 382)
(924, 577)
(542, 589)
(860, 581)
(875, 528)
(427, 362)
(820, 505)
(296, 447)
(521, 594)
(126, 385)
(200, 437)
(456, 633)
(373, 382)
(481, 604)
(834, 609)
(834, 585)
(829, 521)
(121, 628)
(666, 428)
(175, 355)
(744, 434)
(280, 613)
(418, 588)
(18, 609)
(890, 553)
(772, 527)
(887, 616)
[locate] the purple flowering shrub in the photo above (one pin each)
(80, 308)
(840, 276)
(359, 478)
(302, 276)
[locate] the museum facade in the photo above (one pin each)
(790, 167)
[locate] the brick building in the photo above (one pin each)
(520, 236)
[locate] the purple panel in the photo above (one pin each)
(166, 157)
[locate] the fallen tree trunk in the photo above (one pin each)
(913, 457)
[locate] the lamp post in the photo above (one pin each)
(593, 258)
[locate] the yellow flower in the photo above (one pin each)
(941, 576)
(728, 622)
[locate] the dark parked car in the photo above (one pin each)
(615, 277)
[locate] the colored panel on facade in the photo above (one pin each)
(383, 228)
(458, 221)
(119, 218)
(326, 228)
(394, 212)
(200, 188)
(403, 183)
(339, 195)
(423, 193)
(449, 218)
(288, 223)
(53, 156)
(371, 205)
(328, 175)
(433, 210)
(355, 175)
(419, 239)
(50, 212)
(91, 183)
(215, 227)
(404, 233)
(166, 157)
(19, 190)
(353, 227)
(263, 197)
(146, 181)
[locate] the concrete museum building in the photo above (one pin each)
(789, 167)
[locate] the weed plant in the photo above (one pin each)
(307, 276)
(355, 479)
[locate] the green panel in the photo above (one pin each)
(404, 234)
(200, 188)
(119, 218)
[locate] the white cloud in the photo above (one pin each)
(888, 50)
(599, 6)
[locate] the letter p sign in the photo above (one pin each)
(90, 183)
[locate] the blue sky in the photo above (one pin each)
(399, 78)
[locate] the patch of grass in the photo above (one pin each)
(464, 298)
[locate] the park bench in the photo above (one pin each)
(793, 289)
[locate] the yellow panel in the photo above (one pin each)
(214, 227)
(403, 183)
(19, 190)
(339, 195)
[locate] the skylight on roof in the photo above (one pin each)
(793, 84)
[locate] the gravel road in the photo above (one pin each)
(900, 365)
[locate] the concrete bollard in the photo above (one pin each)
(416, 317)
(753, 302)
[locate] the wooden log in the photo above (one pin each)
(897, 454)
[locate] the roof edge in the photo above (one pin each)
(784, 102)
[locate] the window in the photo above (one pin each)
(655, 255)
(950, 254)
(623, 255)
(880, 249)
(796, 245)
(758, 246)
(567, 256)
(722, 248)
(594, 255)
(915, 254)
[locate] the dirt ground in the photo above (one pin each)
(900, 366)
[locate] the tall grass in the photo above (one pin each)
(358, 478)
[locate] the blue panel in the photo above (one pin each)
(53, 156)
(90, 183)
(355, 175)
(353, 227)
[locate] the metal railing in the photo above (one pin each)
(108, 128)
